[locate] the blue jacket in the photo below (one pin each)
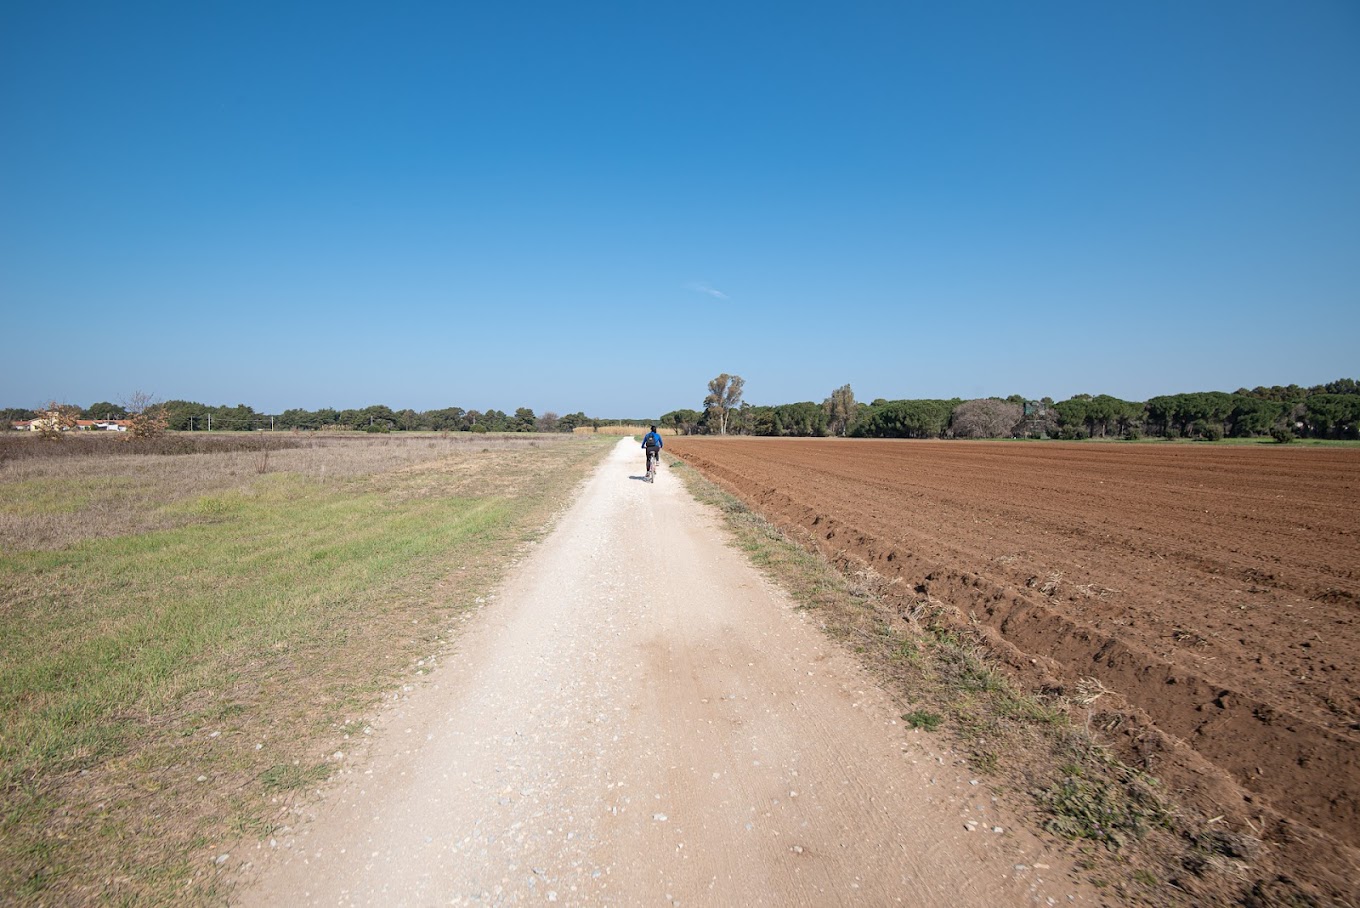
(647, 439)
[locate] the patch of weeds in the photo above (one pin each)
(984, 761)
(973, 676)
(946, 636)
(246, 824)
(1146, 878)
(1027, 709)
(923, 718)
(288, 776)
(36, 882)
(910, 653)
(1109, 811)
(228, 710)
(966, 670)
(227, 504)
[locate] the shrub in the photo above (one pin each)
(149, 418)
(1282, 435)
(985, 418)
(923, 719)
(1211, 433)
(54, 419)
(1133, 434)
(149, 423)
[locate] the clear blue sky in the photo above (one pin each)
(599, 206)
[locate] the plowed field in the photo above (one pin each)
(1215, 589)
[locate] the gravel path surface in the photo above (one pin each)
(639, 718)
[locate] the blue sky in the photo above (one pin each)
(600, 206)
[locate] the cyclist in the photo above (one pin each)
(651, 442)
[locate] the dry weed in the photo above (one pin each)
(1188, 638)
(1089, 690)
(924, 613)
(868, 583)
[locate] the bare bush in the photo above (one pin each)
(148, 417)
(54, 419)
(986, 418)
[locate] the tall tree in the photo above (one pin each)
(105, 410)
(724, 395)
(840, 409)
(573, 421)
(682, 421)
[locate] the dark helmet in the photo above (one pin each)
(653, 428)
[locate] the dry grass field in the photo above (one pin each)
(190, 639)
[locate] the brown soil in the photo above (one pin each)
(1215, 589)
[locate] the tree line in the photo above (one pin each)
(1280, 411)
(192, 416)
(1283, 412)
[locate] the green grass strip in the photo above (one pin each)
(94, 636)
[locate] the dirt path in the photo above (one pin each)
(639, 719)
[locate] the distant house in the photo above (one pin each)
(82, 425)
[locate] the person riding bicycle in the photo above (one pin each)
(651, 442)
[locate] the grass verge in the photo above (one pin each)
(1036, 750)
(163, 692)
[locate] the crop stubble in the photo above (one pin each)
(1214, 589)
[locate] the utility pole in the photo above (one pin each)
(209, 422)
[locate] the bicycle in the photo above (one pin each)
(653, 457)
